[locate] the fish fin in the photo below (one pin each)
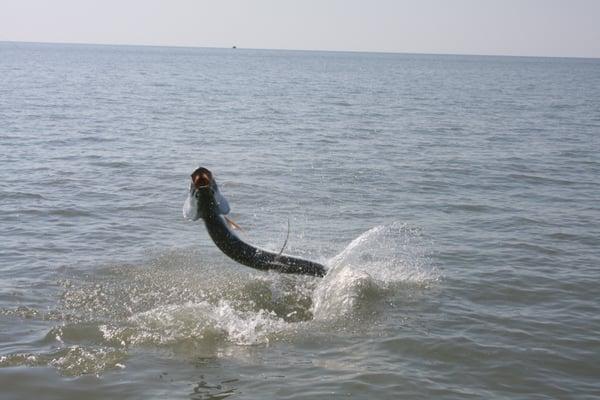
(222, 204)
(287, 236)
(232, 224)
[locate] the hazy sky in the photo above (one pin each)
(514, 27)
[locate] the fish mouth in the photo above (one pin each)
(204, 194)
(201, 178)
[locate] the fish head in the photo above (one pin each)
(204, 197)
(202, 177)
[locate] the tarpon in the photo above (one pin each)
(206, 201)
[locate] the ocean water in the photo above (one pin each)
(454, 199)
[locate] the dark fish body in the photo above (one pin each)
(206, 202)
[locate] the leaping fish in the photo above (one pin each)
(206, 201)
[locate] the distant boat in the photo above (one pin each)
(234, 47)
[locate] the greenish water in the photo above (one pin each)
(454, 200)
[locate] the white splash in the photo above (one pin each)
(175, 323)
(373, 263)
(170, 306)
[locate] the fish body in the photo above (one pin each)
(206, 202)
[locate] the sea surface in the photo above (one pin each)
(454, 199)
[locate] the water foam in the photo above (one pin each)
(374, 263)
(175, 302)
(201, 321)
(71, 360)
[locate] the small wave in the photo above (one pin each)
(20, 196)
(25, 312)
(341, 103)
(94, 138)
(475, 208)
(70, 361)
(540, 180)
(52, 212)
(111, 164)
(69, 212)
(160, 84)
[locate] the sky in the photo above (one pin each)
(562, 28)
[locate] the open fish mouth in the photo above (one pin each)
(202, 180)
(201, 177)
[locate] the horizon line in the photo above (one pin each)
(235, 47)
